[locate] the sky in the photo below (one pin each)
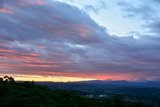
(80, 40)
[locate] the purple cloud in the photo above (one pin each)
(49, 36)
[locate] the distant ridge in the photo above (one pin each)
(97, 84)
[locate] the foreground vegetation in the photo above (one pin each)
(28, 94)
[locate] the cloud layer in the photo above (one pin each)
(44, 37)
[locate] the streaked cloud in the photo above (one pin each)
(51, 38)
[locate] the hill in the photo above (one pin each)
(28, 94)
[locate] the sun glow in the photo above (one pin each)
(39, 78)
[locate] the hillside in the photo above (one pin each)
(28, 94)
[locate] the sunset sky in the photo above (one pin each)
(80, 40)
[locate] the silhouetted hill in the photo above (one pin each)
(28, 94)
(83, 85)
(148, 91)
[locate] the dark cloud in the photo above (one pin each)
(155, 27)
(49, 36)
(157, 1)
(1, 3)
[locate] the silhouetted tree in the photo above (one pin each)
(1, 79)
(11, 80)
(8, 79)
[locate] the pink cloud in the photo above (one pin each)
(26, 3)
(96, 76)
(6, 11)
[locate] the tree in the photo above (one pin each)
(1, 79)
(11, 80)
(8, 79)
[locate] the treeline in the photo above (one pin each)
(7, 79)
(28, 94)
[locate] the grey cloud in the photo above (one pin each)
(96, 9)
(146, 11)
(155, 27)
(67, 37)
(1, 3)
(143, 10)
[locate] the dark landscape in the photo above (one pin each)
(77, 94)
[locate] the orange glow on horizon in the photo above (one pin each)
(69, 77)
(39, 78)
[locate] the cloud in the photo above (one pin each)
(101, 5)
(137, 9)
(155, 26)
(48, 37)
(157, 1)
(1, 3)
(147, 12)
